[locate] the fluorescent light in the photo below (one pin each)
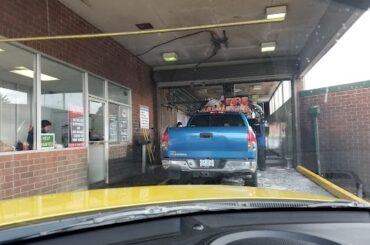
(268, 47)
(24, 71)
(276, 12)
(257, 87)
(169, 56)
(2, 50)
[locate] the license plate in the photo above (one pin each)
(207, 163)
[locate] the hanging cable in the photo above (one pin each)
(217, 43)
(174, 39)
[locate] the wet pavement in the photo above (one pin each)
(281, 178)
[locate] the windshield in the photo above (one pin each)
(246, 95)
(226, 120)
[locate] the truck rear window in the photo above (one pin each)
(219, 120)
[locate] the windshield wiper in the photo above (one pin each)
(339, 204)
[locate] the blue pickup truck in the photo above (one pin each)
(213, 145)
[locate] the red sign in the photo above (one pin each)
(76, 129)
(240, 104)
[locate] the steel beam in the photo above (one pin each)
(236, 73)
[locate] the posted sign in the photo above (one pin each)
(76, 127)
(144, 117)
(47, 141)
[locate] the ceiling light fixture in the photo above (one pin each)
(277, 12)
(2, 50)
(268, 47)
(257, 87)
(24, 71)
(169, 57)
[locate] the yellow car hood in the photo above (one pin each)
(15, 211)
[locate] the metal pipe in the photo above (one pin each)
(136, 33)
(314, 112)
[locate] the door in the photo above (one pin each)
(97, 141)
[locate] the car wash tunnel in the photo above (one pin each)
(179, 92)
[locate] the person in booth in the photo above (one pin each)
(45, 128)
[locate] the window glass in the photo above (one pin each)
(16, 99)
(62, 105)
(276, 101)
(96, 86)
(286, 91)
(271, 105)
(226, 120)
(118, 123)
(280, 95)
(118, 94)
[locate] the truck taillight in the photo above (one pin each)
(252, 142)
(165, 139)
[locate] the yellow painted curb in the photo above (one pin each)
(329, 186)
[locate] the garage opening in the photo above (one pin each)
(274, 98)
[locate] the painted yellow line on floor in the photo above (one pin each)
(329, 186)
(164, 182)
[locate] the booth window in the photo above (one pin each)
(16, 98)
(96, 86)
(118, 123)
(61, 106)
(118, 94)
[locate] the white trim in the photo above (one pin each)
(119, 103)
(38, 102)
(10, 153)
(106, 141)
(85, 89)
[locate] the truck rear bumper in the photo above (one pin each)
(232, 167)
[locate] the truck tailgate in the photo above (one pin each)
(209, 142)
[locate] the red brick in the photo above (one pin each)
(21, 169)
(26, 175)
(4, 172)
(34, 156)
(23, 156)
(40, 184)
(26, 162)
(6, 158)
(20, 182)
(27, 187)
(6, 185)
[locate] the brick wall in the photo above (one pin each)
(344, 129)
(42, 172)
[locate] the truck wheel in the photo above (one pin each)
(261, 159)
(252, 181)
(255, 179)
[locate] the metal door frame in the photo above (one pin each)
(106, 135)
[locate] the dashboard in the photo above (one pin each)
(244, 227)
